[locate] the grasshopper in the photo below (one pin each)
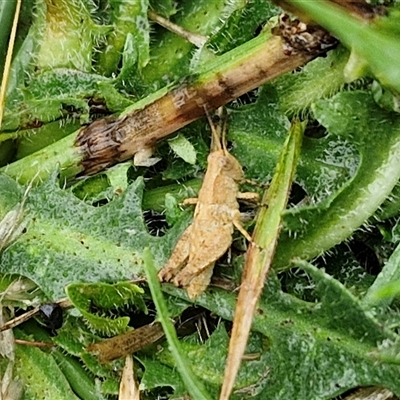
(216, 215)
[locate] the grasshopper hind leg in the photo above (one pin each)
(178, 258)
(199, 283)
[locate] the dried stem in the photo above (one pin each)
(194, 38)
(108, 141)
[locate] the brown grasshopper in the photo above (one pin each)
(216, 215)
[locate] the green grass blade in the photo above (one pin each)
(194, 387)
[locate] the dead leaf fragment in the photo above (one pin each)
(128, 389)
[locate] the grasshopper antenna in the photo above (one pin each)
(224, 129)
(215, 125)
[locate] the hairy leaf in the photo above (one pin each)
(315, 349)
(70, 241)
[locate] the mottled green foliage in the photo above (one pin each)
(40, 374)
(314, 349)
(258, 131)
(74, 337)
(322, 77)
(242, 25)
(183, 148)
(70, 241)
(10, 194)
(126, 17)
(376, 50)
(316, 334)
(97, 299)
(375, 134)
(211, 357)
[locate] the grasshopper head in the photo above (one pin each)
(231, 167)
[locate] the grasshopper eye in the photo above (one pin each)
(216, 119)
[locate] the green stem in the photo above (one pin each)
(38, 166)
(193, 386)
(154, 199)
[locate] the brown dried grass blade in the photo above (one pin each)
(7, 64)
(260, 253)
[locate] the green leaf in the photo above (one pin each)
(386, 285)
(79, 379)
(64, 83)
(42, 378)
(332, 340)
(157, 375)
(23, 62)
(375, 133)
(50, 95)
(76, 34)
(128, 18)
(103, 298)
(33, 140)
(70, 241)
(74, 337)
(241, 25)
(380, 48)
(258, 131)
(320, 78)
(183, 148)
(10, 195)
(81, 382)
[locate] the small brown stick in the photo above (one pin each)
(260, 254)
(33, 343)
(371, 393)
(127, 343)
(12, 323)
(128, 388)
(194, 38)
